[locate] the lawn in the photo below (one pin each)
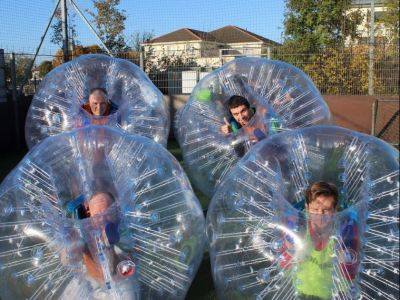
(173, 148)
(8, 161)
(202, 286)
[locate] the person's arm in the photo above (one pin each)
(285, 259)
(94, 269)
(349, 249)
(290, 240)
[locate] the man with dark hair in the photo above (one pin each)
(241, 113)
(313, 275)
(97, 104)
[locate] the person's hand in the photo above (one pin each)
(226, 128)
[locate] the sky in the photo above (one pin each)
(23, 22)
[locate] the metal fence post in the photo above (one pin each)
(64, 22)
(13, 77)
(371, 51)
(374, 116)
(34, 82)
(3, 93)
(141, 58)
(14, 98)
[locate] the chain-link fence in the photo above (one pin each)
(19, 75)
(386, 120)
(176, 57)
(335, 71)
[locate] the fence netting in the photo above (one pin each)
(178, 42)
(386, 120)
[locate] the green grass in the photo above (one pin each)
(202, 287)
(8, 161)
(173, 148)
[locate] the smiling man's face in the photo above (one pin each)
(98, 103)
(242, 114)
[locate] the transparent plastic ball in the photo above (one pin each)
(281, 98)
(134, 102)
(267, 243)
(95, 213)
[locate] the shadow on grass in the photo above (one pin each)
(173, 148)
(202, 286)
(8, 161)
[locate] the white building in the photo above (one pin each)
(365, 7)
(209, 49)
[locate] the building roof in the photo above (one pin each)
(184, 34)
(225, 35)
(234, 34)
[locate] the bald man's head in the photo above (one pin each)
(100, 202)
(98, 102)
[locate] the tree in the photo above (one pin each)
(57, 36)
(310, 25)
(390, 20)
(167, 62)
(77, 51)
(109, 22)
(45, 67)
(138, 38)
(22, 63)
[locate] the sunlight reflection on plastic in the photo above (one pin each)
(263, 245)
(137, 106)
(282, 96)
(98, 214)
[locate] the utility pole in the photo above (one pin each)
(141, 57)
(3, 89)
(64, 22)
(15, 101)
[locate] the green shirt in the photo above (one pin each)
(314, 273)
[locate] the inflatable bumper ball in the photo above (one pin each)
(61, 102)
(281, 98)
(267, 243)
(96, 213)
